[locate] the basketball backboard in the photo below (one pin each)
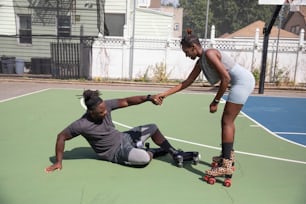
(281, 2)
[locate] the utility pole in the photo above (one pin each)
(266, 31)
(206, 20)
(132, 39)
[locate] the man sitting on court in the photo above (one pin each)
(97, 128)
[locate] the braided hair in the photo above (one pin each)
(92, 99)
(189, 39)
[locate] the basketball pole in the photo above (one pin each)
(266, 32)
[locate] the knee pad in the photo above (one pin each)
(138, 157)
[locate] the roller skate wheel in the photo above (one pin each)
(227, 183)
(205, 178)
(211, 181)
(195, 160)
(214, 164)
(179, 162)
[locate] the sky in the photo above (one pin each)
(174, 2)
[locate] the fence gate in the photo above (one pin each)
(65, 59)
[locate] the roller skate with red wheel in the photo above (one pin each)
(217, 160)
(180, 157)
(225, 170)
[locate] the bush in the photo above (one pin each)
(160, 72)
(256, 75)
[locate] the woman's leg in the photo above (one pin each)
(231, 110)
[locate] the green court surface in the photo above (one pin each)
(268, 170)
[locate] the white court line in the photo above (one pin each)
(291, 133)
(208, 146)
(27, 94)
(185, 141)
(218, 148)
(83, 103)
(275, 134)
(269, 131)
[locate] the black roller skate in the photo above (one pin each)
(180, 157)
(157, 152)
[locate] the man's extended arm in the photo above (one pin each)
(59, 151)
(135, 100)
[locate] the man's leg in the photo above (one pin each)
(142, 133)
(139, 157)
(129, 155)
(160, 140)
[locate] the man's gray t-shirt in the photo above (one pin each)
(102, 136)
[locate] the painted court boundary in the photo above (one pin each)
(189, 142)
(212, 147)
(218, 148)
(27, 94)
(272, 133)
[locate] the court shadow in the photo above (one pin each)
(187, 165)
(78, 153)
(201, 173)
(86, 153)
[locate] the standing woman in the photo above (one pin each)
(218, 67)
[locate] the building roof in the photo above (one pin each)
(250, 30)
(302, 11)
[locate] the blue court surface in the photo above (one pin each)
(283, 116)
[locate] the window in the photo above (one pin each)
(298, 29)
(295, 29)
(292, 29)
(25, 29)
(114, 24)
(64, 26)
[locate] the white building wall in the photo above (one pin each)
(116, 6)
(7, 18)
(150, 23)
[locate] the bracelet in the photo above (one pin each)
(148, 97)
(216, 101)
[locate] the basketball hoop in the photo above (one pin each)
(282, 2)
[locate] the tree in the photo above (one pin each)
(227, 16)
(224, 16)
(194, 16)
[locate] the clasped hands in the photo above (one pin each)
(158, 99)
